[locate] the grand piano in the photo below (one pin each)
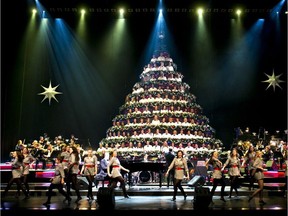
(151, 166)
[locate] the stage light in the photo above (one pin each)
(200, 11)
(160, 11)
(34, 11)
(83, 12)
(121, 11)
(238, 12)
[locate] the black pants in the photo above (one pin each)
(177, 184)
(19, 185)
(233, 184)
(114, 182)
(72, 179)
(170, 177)
(25, 183)
(60, 189)
(217, 182)
(90, 179)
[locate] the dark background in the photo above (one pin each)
(228, 84)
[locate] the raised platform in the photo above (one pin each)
(274, 180)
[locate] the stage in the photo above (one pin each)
(146, 198)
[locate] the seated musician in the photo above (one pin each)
(49, 156)
(39, 154)
(102, 174)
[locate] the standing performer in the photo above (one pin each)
(169, 157)
(259, 176)
(57, 182)
(115, 173)
(217, 174)
(65, 162)
(16, 174)
(249, 160)
(28, 159)
(90, 169)
(234, 170)
(73, 172)
(179, 164)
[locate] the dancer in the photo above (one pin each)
(179, 164)
(259, 176)
(217, 174)
(89, 168)
(115, 173)
(249, 160)
(73, 172)
(57, 182)
(234, 170)
(286, 171)
(28, 159)
(65, 162)
(16, 163)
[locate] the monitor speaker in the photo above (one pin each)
(202, 197)
(196, 181)
(106, 198)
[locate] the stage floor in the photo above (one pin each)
(148, 199)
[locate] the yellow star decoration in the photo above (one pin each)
(273, 80)
(49, 93)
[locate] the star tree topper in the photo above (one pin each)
(49, 93)
(273, 80)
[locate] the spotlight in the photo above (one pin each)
(121, 11)
(238, 12)
(200, 11)
(34, 11)
(83, 11)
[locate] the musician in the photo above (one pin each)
(17, 160)
(179, 164)
(19, 145)
(115, 174)
(267, 153)
(89, 169)
(169, 157)
(103, 168)
(217, 176)
(234, 170)
(48, 154)
(259, 176)
(39, 155)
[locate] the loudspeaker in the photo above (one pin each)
(106, 198)
(202, 197)
(83, 183)
(201, 170)
(196, 181)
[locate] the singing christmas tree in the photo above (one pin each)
(161, 108)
